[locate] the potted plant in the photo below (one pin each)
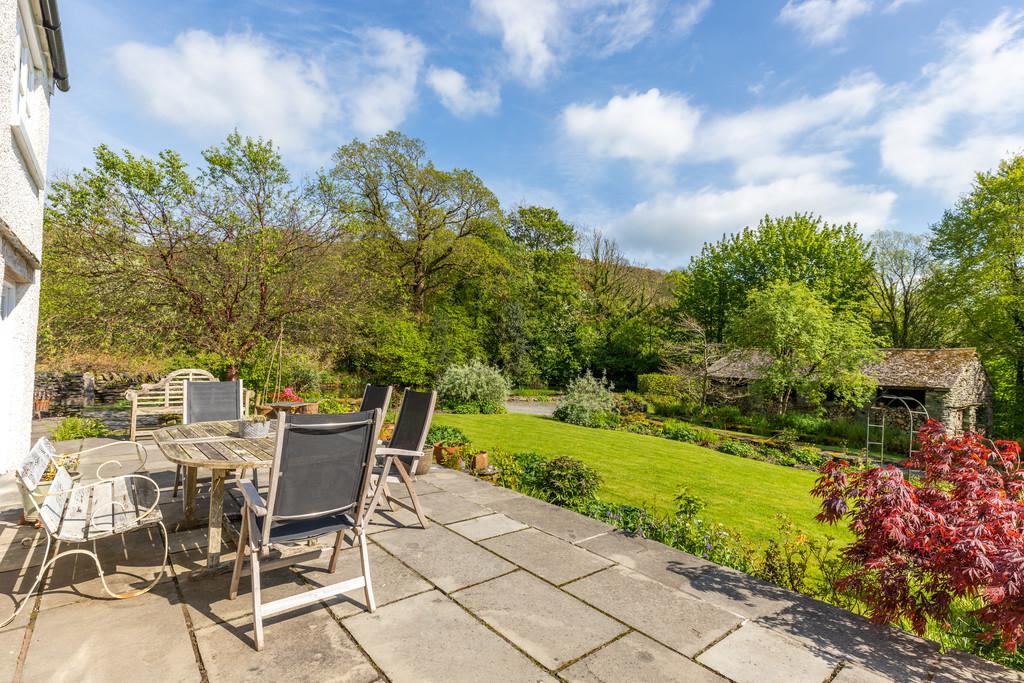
(253, 427)
(70, 462)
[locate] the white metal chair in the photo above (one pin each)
(403, 452)
(318, 483)
(88, 513)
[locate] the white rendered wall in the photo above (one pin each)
(21, 211)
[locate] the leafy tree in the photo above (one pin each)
(903, 284)
(954, 535)
(218, 258)
(980, 242)
(832, 260)
(809, 349)
(436, 224)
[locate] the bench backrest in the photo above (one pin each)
(31, 472)
(169, 392)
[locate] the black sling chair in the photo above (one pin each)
(318, 484)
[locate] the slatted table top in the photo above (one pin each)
(214, 445)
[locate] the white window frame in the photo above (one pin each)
(8, 298)
(28, 62)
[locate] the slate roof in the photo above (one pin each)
(905, 368)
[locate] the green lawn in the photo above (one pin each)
(745, 495)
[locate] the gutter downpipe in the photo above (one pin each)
(55, 42)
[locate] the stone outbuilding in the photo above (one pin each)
(951, 383)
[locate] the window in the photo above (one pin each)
(8, 293)
(27, 62)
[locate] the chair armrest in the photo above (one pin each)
(252, 497)
(387, 450)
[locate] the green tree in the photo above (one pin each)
(833, 260)
(808, 349)
(981, 244)
(438, 225)
(903, 290)
(210, 262)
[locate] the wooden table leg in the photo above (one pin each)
(216, 516)
(191, 490)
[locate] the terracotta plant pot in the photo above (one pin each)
(480, 460)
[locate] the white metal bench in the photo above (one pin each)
(165, 397)
(88, 513)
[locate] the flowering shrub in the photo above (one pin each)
(473, 388)
(957, 533)
(289, 395)
(588, 402)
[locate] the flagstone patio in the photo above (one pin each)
(501, 587)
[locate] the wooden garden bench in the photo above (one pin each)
(165, 397)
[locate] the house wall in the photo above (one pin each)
(21, 240)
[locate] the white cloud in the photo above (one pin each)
(537, 35)
(896, 5)
(965, 115)
(760, 140)
(641, 126)
(670, 225)
(823, 21)
(527, 28)
(391, 63)
(458, 98)
(210, 84)
(690, 15)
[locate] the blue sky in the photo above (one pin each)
(664, 124)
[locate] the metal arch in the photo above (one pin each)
(906, 401)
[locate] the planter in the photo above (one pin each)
(253, 430)
(423, 466)
(30, 515)
(480, 460)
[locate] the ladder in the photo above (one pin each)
(876, 422)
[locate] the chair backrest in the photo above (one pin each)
(212, 401)
(169, 392)
(413, 420)
(31, 472)
(322, 465)
(376, 396)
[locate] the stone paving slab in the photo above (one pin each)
(534, 615)
(207, 598)
(423, 488)
(91, 641)
(754, 654)
(565, 524)
(855, 674)
(445, 508)
(429, 638)
(635, 657)
(835, 632)
(546, 556)
(667, 615)
(304, 645)
(391, 579)
(489, 495)
(444, 558)
(486, 527)
(957, 667)
(10, 648)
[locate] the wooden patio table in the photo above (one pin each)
(218, 447)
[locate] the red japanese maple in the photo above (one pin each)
(957, 532)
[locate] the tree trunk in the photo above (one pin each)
(232, 373)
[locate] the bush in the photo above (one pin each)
(568, 482)
(725, 416)
(804, 423)
(677, 431)
(473, 388)
(640, 424)
(519, 471)
(808, 456)
(657, 384)
(79, 428)
(740, 448)
(331, 405)
(305, 378)
(446, 435)
(588, 402)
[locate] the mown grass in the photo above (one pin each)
(745, 495)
